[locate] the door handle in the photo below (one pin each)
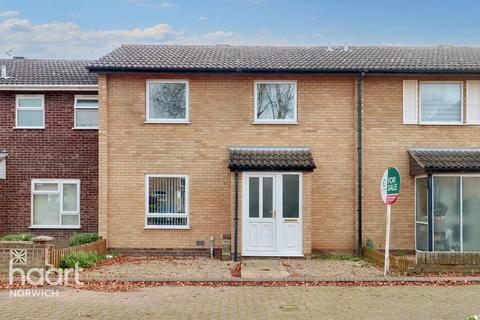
(273, 213)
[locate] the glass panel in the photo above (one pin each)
(30, 103)
(291, 195)
(253, 197)
(276, 101)
(471, 214)
(422, 234)
(446, 214)
(30, 118)
(87, 118)
(87, 103)
(40, 186)
(46, 209)
(167, 100)
(70, 197)
(71, 220)
(267, 197)
(441, 102)
(166, 195)
(421, 200)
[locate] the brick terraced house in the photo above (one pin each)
(283, 148)
(48, 148)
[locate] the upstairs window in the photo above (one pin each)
(166, 201)
(30, 111)
(275, 102)
(167, 101)
(86, 112)
(441, 102)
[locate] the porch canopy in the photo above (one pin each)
(438, 160)
(271, 159)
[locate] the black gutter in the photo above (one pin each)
(235, 221)
(351, 71)
(359, 162)
(451, 170)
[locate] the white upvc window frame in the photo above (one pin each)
(154, 215)
(275, 121)
(441, 123)
(60, 183)
(76, 107)
(458, 175)
(186, 120)
(424, 176)
(30, 97)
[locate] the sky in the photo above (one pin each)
(88, 29)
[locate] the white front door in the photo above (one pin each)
(272, 214)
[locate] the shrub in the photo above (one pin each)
(370, 243)
(84, 259)
(18, 237)
(82, 238)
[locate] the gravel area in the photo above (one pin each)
(206, 268)
(330, 269)
(160, 267)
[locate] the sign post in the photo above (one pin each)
(389, 189)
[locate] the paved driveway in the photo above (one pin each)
(251, 303)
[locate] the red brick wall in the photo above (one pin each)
(58, 151)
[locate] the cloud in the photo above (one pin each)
(69, 40)
(216, 37)
(8, 14)
(202, 18)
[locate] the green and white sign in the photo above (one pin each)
(390, 186)
(390, 189)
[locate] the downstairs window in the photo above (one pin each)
(56, 203)
(456, 215)
(166, 201)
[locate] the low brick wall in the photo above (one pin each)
(402, 264)
(461, 262)
(25, 254)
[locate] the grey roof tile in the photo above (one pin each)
(271, 158)
(425, 160)
(47, 72)
(289, 59)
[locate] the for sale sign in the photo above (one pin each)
(390, 186)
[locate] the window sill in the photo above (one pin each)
(89, 128)
(167, 122)
(34, 128)
(54, 227)
(275, 123)
(442, 124)
(166, 228)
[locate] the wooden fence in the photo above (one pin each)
(402, 264)
(56, 255)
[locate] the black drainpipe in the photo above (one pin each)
(235, 221)
(360, 160)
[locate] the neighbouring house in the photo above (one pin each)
(48, 148)
(276, 145)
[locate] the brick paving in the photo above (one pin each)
(251, 303)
